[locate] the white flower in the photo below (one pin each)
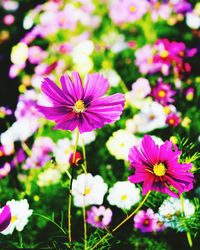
(88, 190)
(62, 151)
(87, 138)
(49, 177)
(124, 195)
(112, 76)
(20, 213)
(119, 144)
(20, 130)
(192, 20)
(140, 89)
(171, 210)
(151, 116)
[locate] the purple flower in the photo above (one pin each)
(83, 107)
(5, 217)
(173, 120)
(99, 217)
(163, 93)
(130, 10)
(158, 168)
(147, 221)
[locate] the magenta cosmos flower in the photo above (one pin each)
(163, 93)
(83, 107)
(145, 221)
(99, 217)
(5, 217)
(158, 168)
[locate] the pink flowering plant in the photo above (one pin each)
(99, 118)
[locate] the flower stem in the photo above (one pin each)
(84, 211)
(126, 219)
(70, 190)
(189, 238)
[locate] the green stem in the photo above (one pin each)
(126, 219)
(189, 238)
(70, 190)
(84, 211)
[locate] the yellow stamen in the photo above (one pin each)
(159, 169)
(87, 191)
(171, 121)
(164, 53)
(13, 219)
(79, 106)
(161, 93)
(150, 60)
(132, 8)
(124, 197)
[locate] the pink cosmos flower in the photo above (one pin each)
(83, 107)
(5, 217)
(130, 10)
(144, 60)
(36, 54)
(163, 93)
(99, 217)
(173, 120)
(147, 221)
(158, 168)
(8, 19)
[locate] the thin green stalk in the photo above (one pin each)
(189, 238)
(126, 219)
(70, 190)
(84, 211)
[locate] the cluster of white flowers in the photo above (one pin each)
(20, 213)
(171, 210)
(90, 190)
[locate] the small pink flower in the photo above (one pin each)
(36, 54)
(163, 93)
(158, 168)
(147, 221)
(8, 19)
(173, 120)
(99, 217)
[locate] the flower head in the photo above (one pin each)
(20, 213)
(5, 217)
(83, 107)
(158, 168)
(123, 195)
(163, 93)
(88, 190)
(99, 217)
(173, 119)
(144, 220)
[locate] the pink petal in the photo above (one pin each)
(96, 86)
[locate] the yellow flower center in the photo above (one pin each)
(150, 60)
(13, 219)
(79, 106)
(159, 169)
(87, 191)
(171, 121)
(164, 53)
(124, 197)
(161, 93)
(132, 8)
